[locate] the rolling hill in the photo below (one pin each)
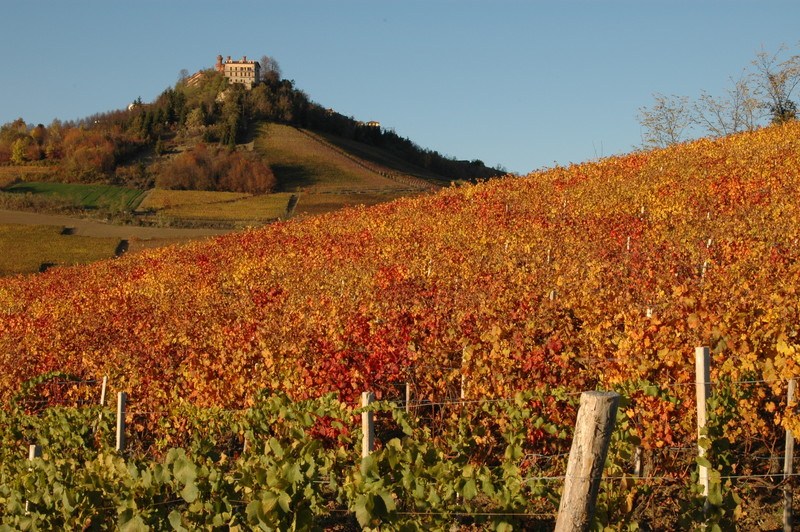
(603, 275)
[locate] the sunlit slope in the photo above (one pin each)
(600, 275)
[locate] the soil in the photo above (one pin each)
(99, 229)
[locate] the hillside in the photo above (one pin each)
(604, 275)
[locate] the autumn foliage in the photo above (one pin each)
(203, 168)
(604, 275)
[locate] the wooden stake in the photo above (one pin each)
(702, 359)
(788, 460)
(122, 399)
(34, 451)
(637, 463)
(408, 396)
(367, 425)
(587, 456)
(103, 391)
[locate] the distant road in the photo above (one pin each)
(95, 228)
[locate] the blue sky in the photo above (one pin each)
(522, 84)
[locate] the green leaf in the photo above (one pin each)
(703, 462)
(363, 515)
(470, 490)
(134, 525)
(184, 470)
(388, 502)
(284, 501)
(190, 492)
(277, 450)
(254, 512)
(176, 521)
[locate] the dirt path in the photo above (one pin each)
(95, 228)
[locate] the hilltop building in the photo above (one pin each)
(243, 71)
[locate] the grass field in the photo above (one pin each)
(261, 208)
(85, 196)
(300, 162)
(157, 199)
(382, 158)
(37, 245)
(9, 174)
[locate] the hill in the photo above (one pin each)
(604, 275)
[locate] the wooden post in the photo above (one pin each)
(703, 388)
(638, 471)
(122, 399)
(103, 391)
(587, 457)
(788, 459)
(34, 451)
(367, 425)
(628, 245)
(408, 397)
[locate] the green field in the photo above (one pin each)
(84, 196)
(36, 247)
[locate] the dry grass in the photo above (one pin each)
(301, 162)
(310, 204)
(35, 245)
(250, 208)
(158, 199)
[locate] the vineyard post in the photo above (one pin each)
(103, 390)
(587, 457)
(34, 451)
(122, 399)
(408, 396)
(637, 462)
(788, 460)
(367, 425)
(703, 390)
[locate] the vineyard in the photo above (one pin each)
(519, 291)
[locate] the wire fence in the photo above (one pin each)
(680, 475)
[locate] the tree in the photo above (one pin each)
(19, 150)
(270, 69)
(740, 111)
(776, 80)
(666, 122)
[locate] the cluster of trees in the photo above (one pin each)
(215, 168)
(83, 154)
(763, 93)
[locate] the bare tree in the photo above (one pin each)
(739, 111)
(270, 69)
(777, 79)
(666, 122)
